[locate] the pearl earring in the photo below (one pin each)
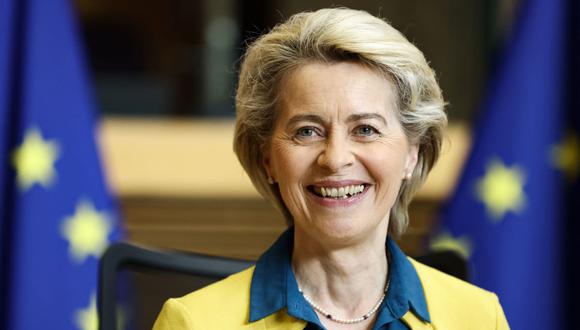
(270, 180)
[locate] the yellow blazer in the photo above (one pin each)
(452, 304)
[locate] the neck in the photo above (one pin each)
(347, 280)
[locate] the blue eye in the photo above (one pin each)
(306, 132)
(365, 130)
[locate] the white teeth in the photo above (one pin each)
(341, 192)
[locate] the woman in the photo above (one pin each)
(339, 121)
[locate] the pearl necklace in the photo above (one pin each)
(347, 321)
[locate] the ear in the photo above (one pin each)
(411, 162)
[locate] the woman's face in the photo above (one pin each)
(338, 151)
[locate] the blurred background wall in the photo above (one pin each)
(165, 74)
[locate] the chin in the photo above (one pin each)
(341, 231)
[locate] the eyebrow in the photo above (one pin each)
(298, 118)
(360, 116)
(352, 118)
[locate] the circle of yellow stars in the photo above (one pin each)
(87, 231)
(501, 189)
(34, 160)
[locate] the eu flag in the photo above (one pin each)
(56, 214)
(508, 214)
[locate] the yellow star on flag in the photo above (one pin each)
(501, 189)
(87, 232)
(446, 242)
(34, 160)
(566, 156)
(87, 318)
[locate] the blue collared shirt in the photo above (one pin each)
(274, 287)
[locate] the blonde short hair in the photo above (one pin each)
(333, 35)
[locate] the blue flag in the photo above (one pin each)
(508, 214)
(56, 214)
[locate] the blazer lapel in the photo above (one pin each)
(415, 323)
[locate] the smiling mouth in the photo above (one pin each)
(337, 192)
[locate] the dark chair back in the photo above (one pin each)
(123, 256)
(449, 262)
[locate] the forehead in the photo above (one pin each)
(336, 89)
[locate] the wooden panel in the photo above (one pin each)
(173, 158)
(240, 228)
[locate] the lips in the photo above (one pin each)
(337, 190)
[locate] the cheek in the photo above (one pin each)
(290, 163)
(387, 171)
(292, 168)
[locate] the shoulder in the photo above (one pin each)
(229, 291)
(436, 281)
(456, 304)
(221, 305)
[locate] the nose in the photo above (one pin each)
(336, 155)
